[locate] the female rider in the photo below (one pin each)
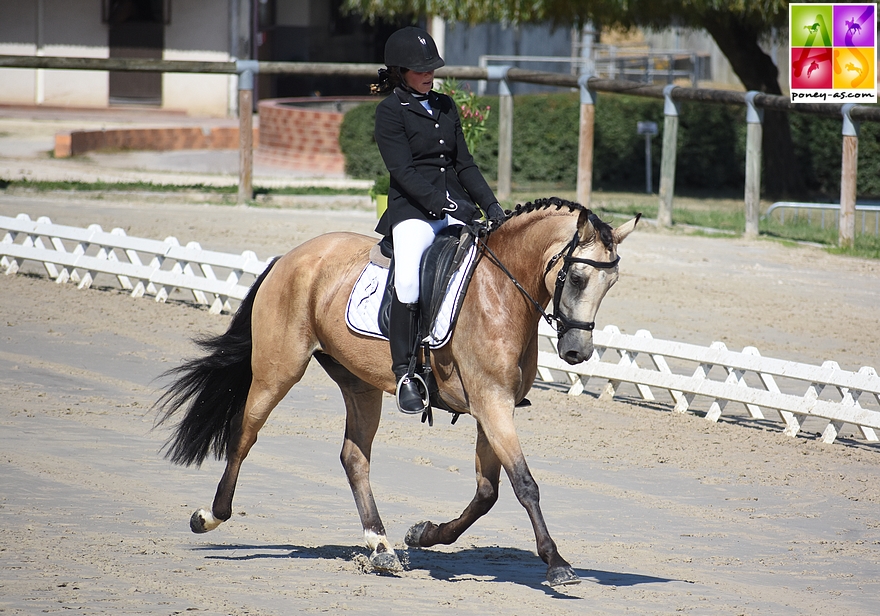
(434, 183)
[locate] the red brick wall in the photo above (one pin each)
(183, 138)
(292, 134)
(299, 137)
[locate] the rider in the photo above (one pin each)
(434, 183)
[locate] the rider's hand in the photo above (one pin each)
(495, 215)
(462, 210)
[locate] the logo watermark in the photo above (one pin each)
(833, 50)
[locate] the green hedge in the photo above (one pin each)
(710, 151)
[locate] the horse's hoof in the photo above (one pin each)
(414, 534)
(562, 576)
(386, 562)
(202, 521)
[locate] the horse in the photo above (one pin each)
(543, 250)
(852, 26)
(853, 68)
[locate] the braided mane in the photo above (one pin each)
(602, 228)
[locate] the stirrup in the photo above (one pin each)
(423, 394)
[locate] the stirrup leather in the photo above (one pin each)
(422, 388)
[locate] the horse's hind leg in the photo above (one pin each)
(363, 409)
(279, 357)
(263, 396)
(488, 468)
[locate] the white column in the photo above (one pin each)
(39, 74)
(437, 29)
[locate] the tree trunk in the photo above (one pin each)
(738, 41)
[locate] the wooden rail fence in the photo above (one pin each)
(756, 102)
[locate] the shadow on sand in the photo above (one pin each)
(495, 564)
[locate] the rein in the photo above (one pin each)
(563, 323)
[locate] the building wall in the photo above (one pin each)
(198, 31)
(73, 28)
(70, 28)
(464, 44)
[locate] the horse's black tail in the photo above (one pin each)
(215, 387)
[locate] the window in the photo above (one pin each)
(136, 11)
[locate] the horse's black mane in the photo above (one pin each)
(603, 228)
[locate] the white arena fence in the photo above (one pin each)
(794, 392)
(142, 266)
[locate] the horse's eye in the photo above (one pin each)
(579, 281)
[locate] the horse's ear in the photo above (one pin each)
(625, 229)
(586, 230)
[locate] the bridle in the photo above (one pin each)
(563, 323)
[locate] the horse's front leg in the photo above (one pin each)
(488, 467)
(501, 434)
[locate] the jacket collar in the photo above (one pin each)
(408, 100)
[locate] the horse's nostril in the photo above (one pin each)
(573, 357)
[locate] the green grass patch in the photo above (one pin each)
(111, 187)
(865, 246)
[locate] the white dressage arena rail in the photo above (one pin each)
(142, 266)
(795, 391)
(746, 378)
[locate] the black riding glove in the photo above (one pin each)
(461, 210)
(495, 214)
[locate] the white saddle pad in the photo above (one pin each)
(362, 313)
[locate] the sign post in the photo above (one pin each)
(648, 129)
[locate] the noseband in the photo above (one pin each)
(563, 323)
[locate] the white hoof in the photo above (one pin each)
(386, 562)
(202, 521)
(383, 557)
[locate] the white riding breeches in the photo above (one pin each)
(411, 239)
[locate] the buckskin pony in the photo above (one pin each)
(549, 250)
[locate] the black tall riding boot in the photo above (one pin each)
(403, 335)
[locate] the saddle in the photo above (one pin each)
(439, 263)
(446, 270)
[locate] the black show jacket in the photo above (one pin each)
(427, 157)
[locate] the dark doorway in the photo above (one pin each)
(136, 30)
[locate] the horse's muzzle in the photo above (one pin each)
(575, 346)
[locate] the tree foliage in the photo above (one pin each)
(762, 15)
(737, 26)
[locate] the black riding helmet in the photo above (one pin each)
(414, 49)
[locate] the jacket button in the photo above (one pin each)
(442, 142)
(436, 126)
(442, 168)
